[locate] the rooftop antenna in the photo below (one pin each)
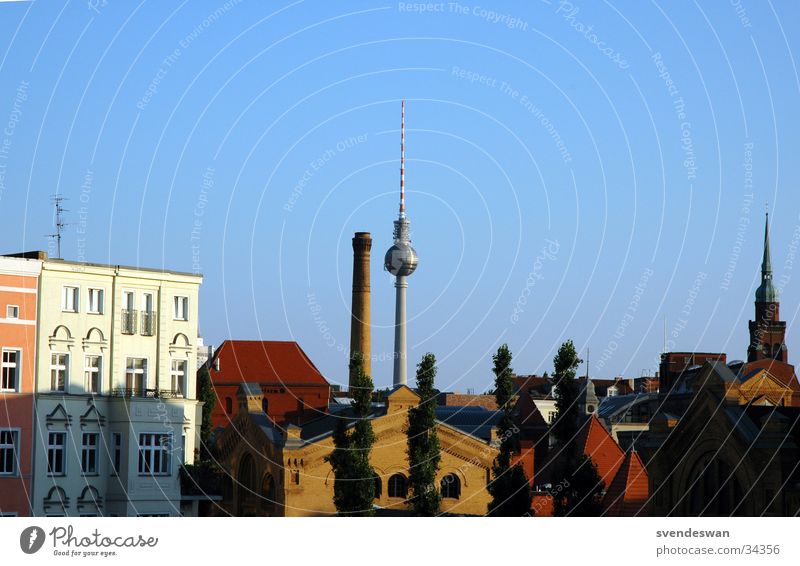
(59, 221)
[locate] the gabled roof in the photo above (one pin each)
(781, 371)
(475, 421)
(599, 444)
(264, 362)
(526, 413)
(628, 493)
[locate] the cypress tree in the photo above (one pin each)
(206, 394)
(582, 486)
(509, 488)
(583, 489)
(354, 478)
(565, 424)
(423, 443)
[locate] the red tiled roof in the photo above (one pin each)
(263, 362)
(599, 444)
(781, 371)
(628, 493)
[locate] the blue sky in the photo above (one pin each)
(581, 170)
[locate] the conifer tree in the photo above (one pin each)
(509, 488)
(565, 424)
(577, 474)
(206, 394)
(354, 478)
(423, 443)
(583, 489)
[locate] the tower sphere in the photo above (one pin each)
(401, 260)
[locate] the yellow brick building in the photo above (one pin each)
(274, 472)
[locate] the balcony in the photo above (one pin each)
(148, 323)
(146, 393)
(129, 321)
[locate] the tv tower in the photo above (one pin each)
(401, 261)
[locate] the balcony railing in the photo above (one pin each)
(148, 323)
(146, 393)
(128, 321)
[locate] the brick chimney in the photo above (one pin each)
(360, 321)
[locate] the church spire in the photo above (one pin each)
(766, 292)
(766, 263)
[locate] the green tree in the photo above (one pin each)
(509, 488)
(565, 424)
(583, 487)
(206, 394)
(354, 478)
(424, 452)
(583, 492)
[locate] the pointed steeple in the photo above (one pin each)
(766, 292)
(766, 263)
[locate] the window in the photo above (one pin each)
(397, 486)
(59, 364)
(10, 370)
(450, 487)
(136, 376)
(228, 405)
(56, 446)
(12, 311)
(378, 486)
(92, 374)
(265, 406)
(178, 374)
(116, 462)
(89, 453)
(69, 299)
(9, 439)
(128, 300)
(96, 301)
(181, 311)
(154, 454)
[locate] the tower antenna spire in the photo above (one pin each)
(402, 159)
(59, 221)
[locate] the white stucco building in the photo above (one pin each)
(116, 409)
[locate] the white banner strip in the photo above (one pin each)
(333, 541)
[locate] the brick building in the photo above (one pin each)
(292, 387)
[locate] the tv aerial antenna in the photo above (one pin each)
(59, 211)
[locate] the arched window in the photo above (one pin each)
(228, 405)
(397, 486)
(451, 487)
(265, 406)
(378, 486)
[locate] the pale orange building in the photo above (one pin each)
(18, 299)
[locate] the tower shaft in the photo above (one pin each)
(400, 376)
